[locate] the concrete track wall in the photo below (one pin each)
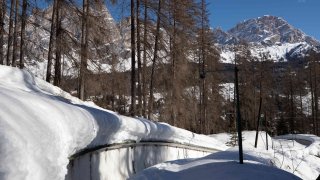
(122, 161)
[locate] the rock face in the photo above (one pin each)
(267, 34)
(270, 29)
(105, 40)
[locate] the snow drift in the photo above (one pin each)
(41, 126)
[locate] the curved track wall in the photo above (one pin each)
(117, 162)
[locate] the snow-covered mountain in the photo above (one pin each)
(267, 34)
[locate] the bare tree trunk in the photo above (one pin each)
(173, 68)
(2, 31)
(133, 62)
(312, 99)
(260, 107)
(316, 99)
(144, 84)
(155, 57)
(10, 32)
(139, 59)
(51, 41)
(84, 49)
(23, 33)
(15, 35)
(203, 109)
(292, 124)
(57, 72)
(258, 123)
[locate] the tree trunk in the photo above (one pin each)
(57, 72)
(144, 84)
(84, 50)
(10, 31)
(2, 31)
(15, 35)
(173, 68)
(316, 99)
(203, 107)
(312, 98)
(133, 62)
(155, 57)
(292, 124)
(260, 107)
(51, 41)
(139, 60)
(23, 33)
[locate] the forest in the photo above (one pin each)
(159, 61)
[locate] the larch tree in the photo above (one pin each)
(23, 33)
(133, 60)
(84, 48)
(58, 44)
(51, 41)
(154, 59)
(10, 34)
(3, 7)
(15, 34)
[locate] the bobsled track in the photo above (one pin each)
(121, 161)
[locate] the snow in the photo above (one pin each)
(221, 165)
(227, 91)
(227, 56)
(297, 161)
(291, 156)
(276, 52)
(41, 126)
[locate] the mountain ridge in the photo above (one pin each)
(267, 34)
(266, 30)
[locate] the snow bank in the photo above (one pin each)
(285, 154)
(312, 142)
(297, 160)
(221, 165)
(41, 126)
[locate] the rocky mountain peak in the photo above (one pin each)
(267, 30)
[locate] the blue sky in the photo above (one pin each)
(302, 14)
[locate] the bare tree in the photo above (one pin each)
(15, 34)
(139, 74)
(133, 61)
(144, 84)
(51, 41)
(155, 57)
(12, 4)
(84, 49)
(2, 30)
(58, 43)
(23, 33)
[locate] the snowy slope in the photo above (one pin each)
(302, 160)
(221, 165)
(41, 126)
(297, 159)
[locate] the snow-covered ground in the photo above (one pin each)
(297, 161)
(221, 165)
(41, 126)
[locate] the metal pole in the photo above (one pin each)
(239, 127)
